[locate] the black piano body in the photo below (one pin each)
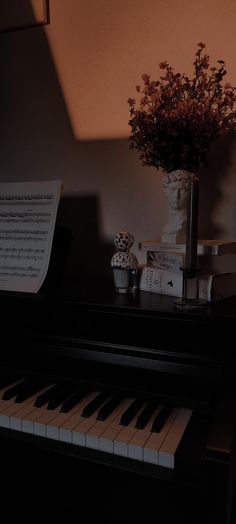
(136, 345)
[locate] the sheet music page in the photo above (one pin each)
(27, 220)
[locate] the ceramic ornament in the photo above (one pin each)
(124, 258)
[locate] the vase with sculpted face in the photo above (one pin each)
(175, 185)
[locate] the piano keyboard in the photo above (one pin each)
(141, 430)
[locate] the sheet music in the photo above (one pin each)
(27, 220)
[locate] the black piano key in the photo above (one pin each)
(55, 395)
(109, 407)
(95, 404)
(145, 415)
(62, 393)
(130, 412)
(44, 398)
(161, 418)
(33, 385)
(73, 399)
(16, 389)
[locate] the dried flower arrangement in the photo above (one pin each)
(178, 118)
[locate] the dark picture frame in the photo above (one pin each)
(23, 14)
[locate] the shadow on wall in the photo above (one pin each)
(88, 255)
(210, 182)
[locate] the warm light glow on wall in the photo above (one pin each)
(101, 48)
(39, 9)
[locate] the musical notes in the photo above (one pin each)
(27, 220)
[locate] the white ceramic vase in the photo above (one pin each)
(175, 185)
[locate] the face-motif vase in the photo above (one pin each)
(175, 185)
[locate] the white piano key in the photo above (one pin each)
(169, 446)
(40, 424)
(54, 425)
(8, 409)
(153, 444)
(16, 418)
(4, 404)
(138, 441)
(125, 435)
(79, 432)
(24, 409)
(65, 429)
(106, 440)
(27, 422)
(92, 439)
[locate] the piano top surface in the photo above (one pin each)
(92, 310)
(100, 293)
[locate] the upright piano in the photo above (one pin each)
(116, 407)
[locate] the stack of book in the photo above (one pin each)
(162, 271)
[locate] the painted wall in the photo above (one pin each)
(64, 114)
